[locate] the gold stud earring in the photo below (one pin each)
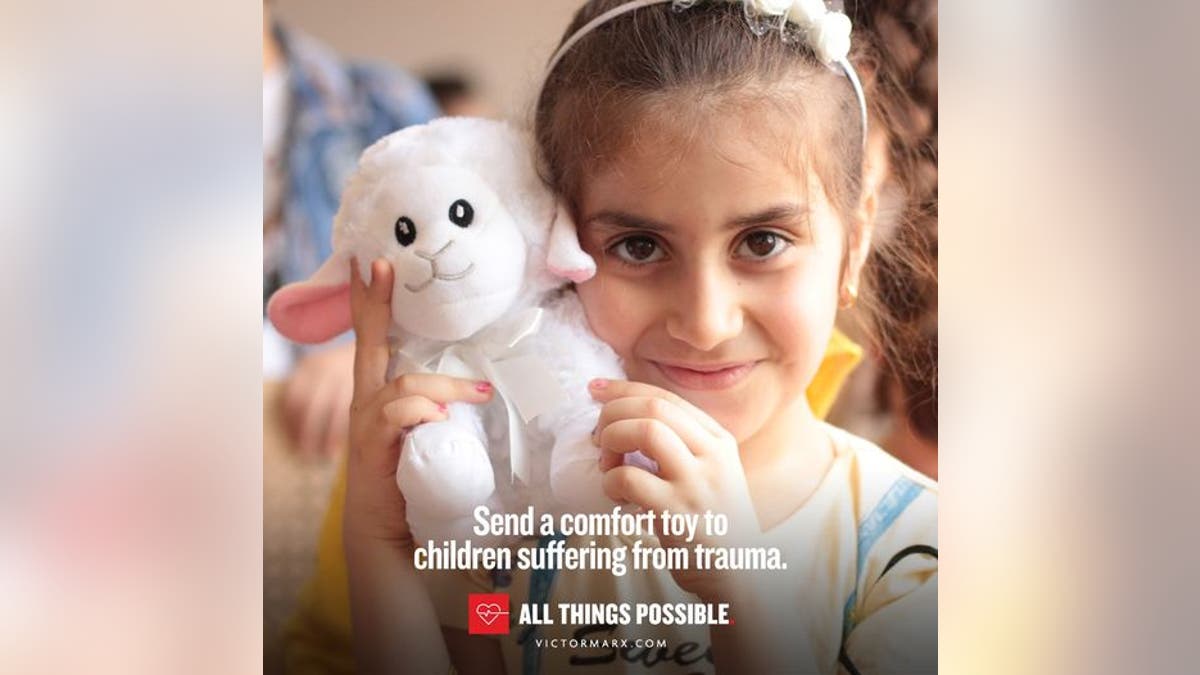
(849, 296)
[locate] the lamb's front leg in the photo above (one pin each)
(444, 473)
(576, 356)
(575, 476)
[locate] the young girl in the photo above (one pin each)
(718, 178)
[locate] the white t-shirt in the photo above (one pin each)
(867, 500)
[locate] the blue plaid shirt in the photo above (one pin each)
(336, 110)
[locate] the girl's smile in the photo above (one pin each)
(703, 376)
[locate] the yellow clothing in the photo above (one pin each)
(318, 636)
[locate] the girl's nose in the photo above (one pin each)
(706, 310)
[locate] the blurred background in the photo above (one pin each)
(498, 48)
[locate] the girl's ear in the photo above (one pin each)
(315, 310)
(564, 257)
(875, 171)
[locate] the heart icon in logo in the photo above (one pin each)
(488, 612)
(483, 611)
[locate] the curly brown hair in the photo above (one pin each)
(902, 270)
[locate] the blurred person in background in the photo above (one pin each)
(893, 397)
(319, 114)
(457, 95)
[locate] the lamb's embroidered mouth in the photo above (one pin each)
(415, 288)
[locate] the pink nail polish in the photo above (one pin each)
(599, 384)
(483, 387)
(442, 407)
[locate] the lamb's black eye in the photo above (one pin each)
(406, 231)
(461, 213)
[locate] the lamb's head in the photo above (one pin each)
(458, 254)
(471, 231)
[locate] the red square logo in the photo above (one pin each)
(487, 613)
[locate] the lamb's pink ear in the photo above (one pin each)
(564, 257)
(315, 310)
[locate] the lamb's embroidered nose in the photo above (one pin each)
(437, 272)
(435, 254)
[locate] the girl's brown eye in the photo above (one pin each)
(637, 250)
(762, 245)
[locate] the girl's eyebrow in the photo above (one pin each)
(786, 212)
(629, 221)
(772, 214)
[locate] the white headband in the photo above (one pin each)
(826, 32)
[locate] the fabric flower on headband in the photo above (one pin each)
(826, 32)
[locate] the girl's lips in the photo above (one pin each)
(706, 377)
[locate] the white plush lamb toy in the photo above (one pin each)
(481, 250)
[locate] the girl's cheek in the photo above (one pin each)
(612, 311)
(800, 313)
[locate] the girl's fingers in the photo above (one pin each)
(440, 388)
(609, 459)
(604, 391)
(696, 437)
(654, 438)
(637, 486)
(394, 419)
(410, 411)
(371, 312)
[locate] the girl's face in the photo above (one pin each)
(717, 270)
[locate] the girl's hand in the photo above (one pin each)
(383, 412)
(699, 468)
